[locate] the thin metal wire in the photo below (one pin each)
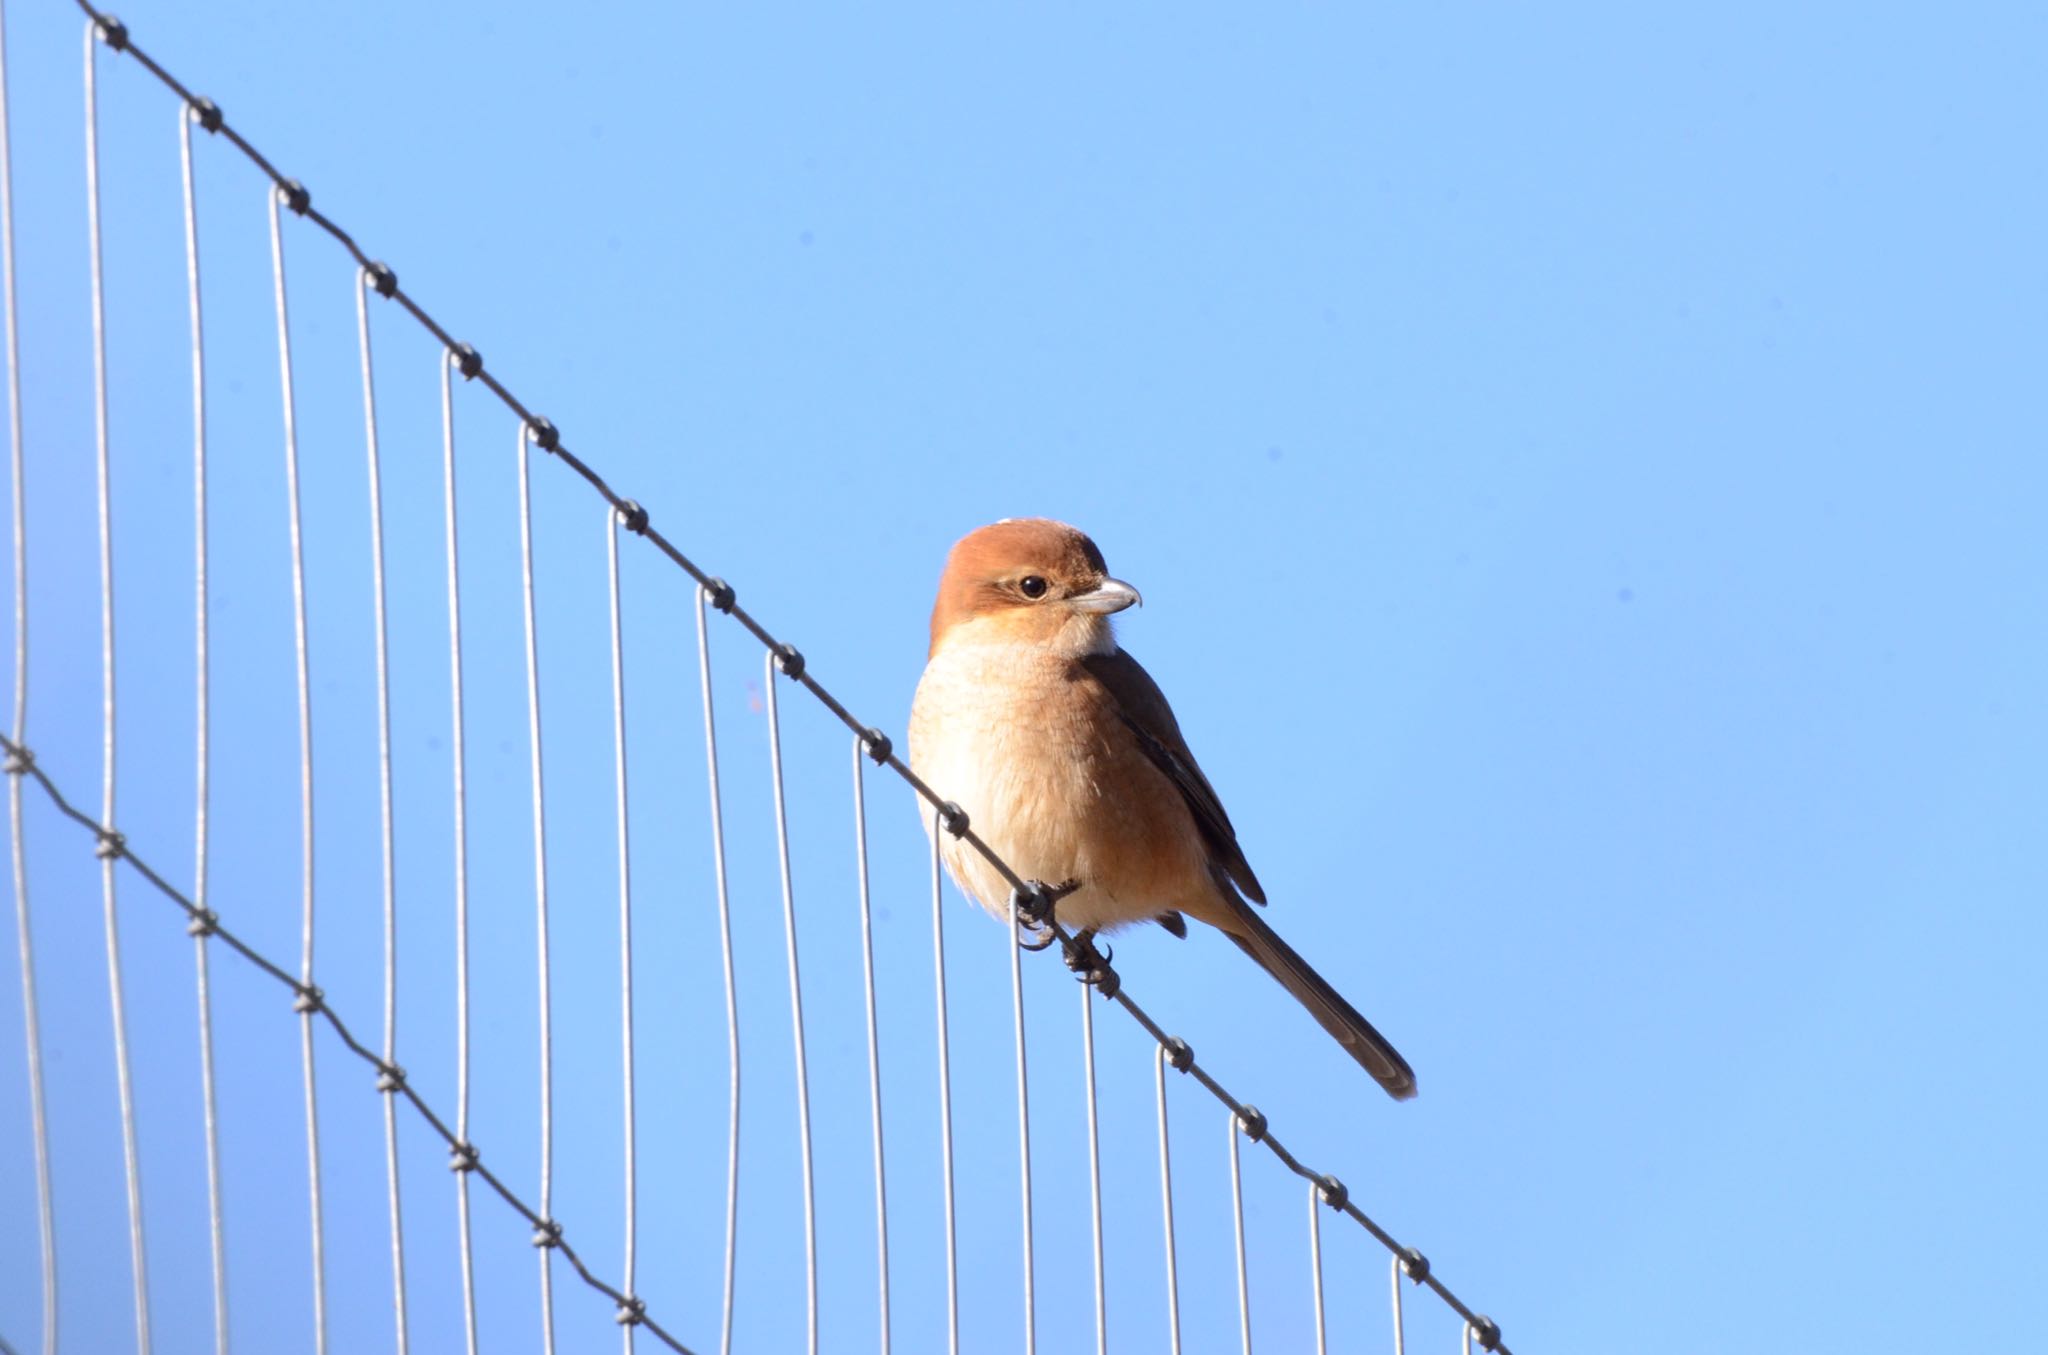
(613, 520)
(109, 844)
(387, 833)
(718, 589)
(461, 804)
(1315, 1259)
(1166, 1206)
(1094, 1169)
(1400, 1335)
(1466, 1334)
(796, 1010)
(1244, 1291)
(945, 1095)
(867, 958)
(279, 974)
(732, 1009)
(308, 996)
(31, 1026)
(202, 729)
(540, 900)
(1023, 1120)
(732, 993)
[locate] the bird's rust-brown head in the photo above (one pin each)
(1028, 581)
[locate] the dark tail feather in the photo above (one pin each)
(1326, 1004)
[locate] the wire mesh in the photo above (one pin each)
(784, 663)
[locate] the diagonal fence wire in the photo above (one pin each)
(1034, 902)
(21, 762)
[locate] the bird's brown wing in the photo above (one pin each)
(1143, 708)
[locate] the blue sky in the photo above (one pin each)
(1583, 468)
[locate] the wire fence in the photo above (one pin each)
(1032, 925)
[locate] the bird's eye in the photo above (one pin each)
(1031, 586)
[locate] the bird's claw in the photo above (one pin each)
(1033, 907)
(1091, 966)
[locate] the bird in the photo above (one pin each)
(1068, 763)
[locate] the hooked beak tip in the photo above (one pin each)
(1111, 595)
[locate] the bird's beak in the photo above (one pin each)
(1111, 595)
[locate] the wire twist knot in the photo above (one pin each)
(632, 516)
(382, 277)
(113, 32)
(390, 1078)
(19, 761)
(308, 998)
(790, 660)
(547, 1233)
(462, 1157)
(1034, 903)
(953, 819)
(877, 745)
(1252, 1121)
(1180, 1056)
(1485, 1331)
(205, 922)
(467, 360)
(207, 114)
(632, 1312)
(109, 845)
(1334, 1192)
(720, 595)
(295, 195)
(544, 433)
(1414, 1264)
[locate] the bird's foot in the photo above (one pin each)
(1033, 906)
(1090, 966)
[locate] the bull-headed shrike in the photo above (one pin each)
(1068, 762)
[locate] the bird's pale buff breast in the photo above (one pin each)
(1006, 733)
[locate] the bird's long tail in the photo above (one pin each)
(1325, 1003)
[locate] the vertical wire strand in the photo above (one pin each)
(1465, 1335)
(945, 1095)
(867, 956)
(1400, 1335)
(613, 520)
(1010, 942)
(1244, 1291)
(461, 803)
(109, 843)
(796, 1012)
(306, 1004)
(1166, 1205)
(1315, 1259)
(31, 1025)
(732, 1010)
(1094, 1170)
(540, 903)
(387, 834)
(202, 757)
